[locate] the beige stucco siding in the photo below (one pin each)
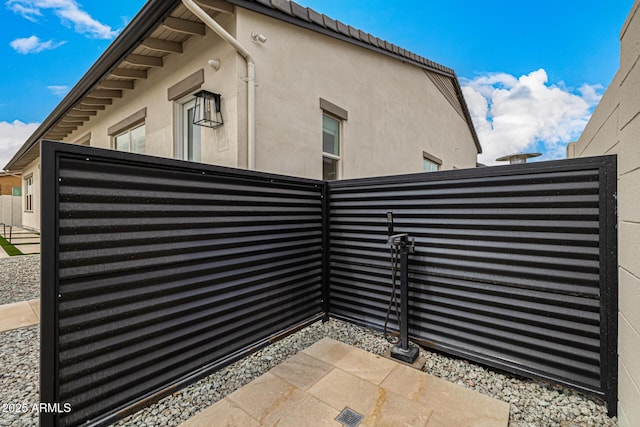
(395, 111)
(219, 146)
(614, 128)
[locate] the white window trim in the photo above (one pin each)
(341, 147)
(128, 131)
(28, 197)
(180, 149)
(433, 159)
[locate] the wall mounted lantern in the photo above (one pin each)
(207, 112)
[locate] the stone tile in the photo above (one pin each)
(265, 397)
(24, 240)
(365, 365)
(29, 249)
(307, 411)
(339, 389)
(453, 405)
(223, 413)
(358, 362)
(302, 370)
(328, 350)
(16, 315)
(393, 410)
(3, 254)
(35, 306)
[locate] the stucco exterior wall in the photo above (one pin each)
(615, 129)
(395, 112)
(219, 146)
(31, 219)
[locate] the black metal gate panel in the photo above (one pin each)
(515, 266)
(156, 272)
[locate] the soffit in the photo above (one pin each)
(166, 39)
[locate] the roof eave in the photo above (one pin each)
(140, 27)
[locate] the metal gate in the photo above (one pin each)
(515, 266)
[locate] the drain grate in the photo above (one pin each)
(350, 418)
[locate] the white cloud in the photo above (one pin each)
(58, 90)
(33, 45)
(12, 136)
(515, 114)
(68, 11)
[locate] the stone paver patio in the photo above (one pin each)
(315, 385)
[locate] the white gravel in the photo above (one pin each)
(19, 361)
(19, 278)
(533, 403)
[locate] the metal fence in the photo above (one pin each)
(156, 272)
(515, 267)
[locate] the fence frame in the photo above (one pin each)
(51, 152)
(49, 364)
(608, 261)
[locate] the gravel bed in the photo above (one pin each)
(533, 403)
(19, 278)
(19, 361)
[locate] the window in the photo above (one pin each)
(189, 142)
(129, 133)
(131, 140)
(430, 163)
(28, 194)
(330, 148)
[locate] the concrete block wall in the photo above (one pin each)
(11, 210)
(614, 128)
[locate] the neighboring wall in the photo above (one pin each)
(395, 112)
(10, 206)
(615, 129)
(7, 182)
(11, 210)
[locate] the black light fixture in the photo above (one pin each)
(207, 112)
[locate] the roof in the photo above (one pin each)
(160, 28)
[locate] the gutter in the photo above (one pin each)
(251, 76)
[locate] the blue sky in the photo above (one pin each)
(539, 65)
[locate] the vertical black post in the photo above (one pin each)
(404, 352)
(49, 281)
(404, 293)
(326, 238)
(609, 283)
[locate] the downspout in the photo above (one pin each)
(251, 76)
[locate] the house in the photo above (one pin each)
(614, 128)
(10, 204)
(298, 92)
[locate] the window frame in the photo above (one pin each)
(28, 193)
(181, 122)
(127, 125)
(331, 156)
(432, 160)
(128, 132)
